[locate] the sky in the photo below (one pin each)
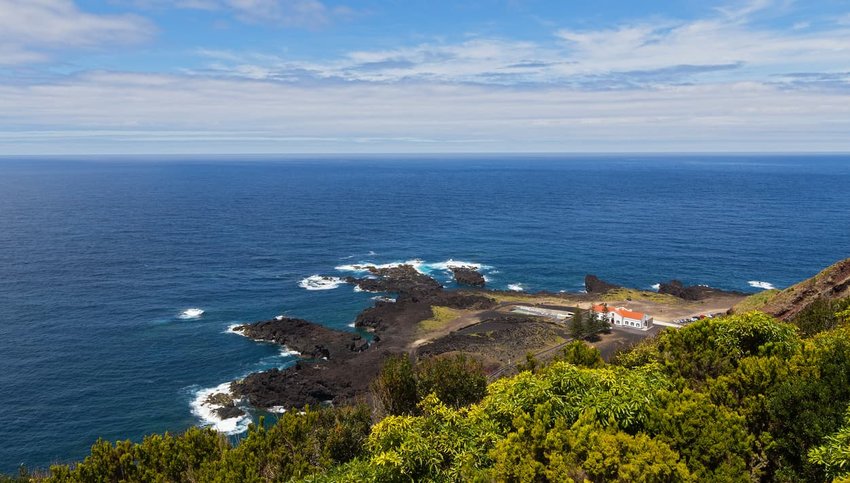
(416, 76)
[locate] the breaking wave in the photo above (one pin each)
(761, 285)
(320, 282)
(193, 313)
(204, 409)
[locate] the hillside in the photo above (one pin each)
(831, 284)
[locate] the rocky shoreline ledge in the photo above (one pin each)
(424, 320)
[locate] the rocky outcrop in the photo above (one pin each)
(694, 292)
(307, 384)
(310, 340)
(407, 312)
(593, 284)
(468, 276)
(404, 280)
(832, 283)
(225, 406)
(338, 366)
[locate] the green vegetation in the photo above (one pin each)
(738, 398)
(822, 314)
(586, 324)
(620, 294)
(755, 302)
(580, 353)
(295, 447)
(533, 298)
(440, 317)
(456, 380)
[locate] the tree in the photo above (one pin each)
(530, 364)
(456, 380)
(395, 386)
(581, 353)
(578, 329)
(834, 454)
(599, 321)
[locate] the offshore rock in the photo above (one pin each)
(468, 276)
(594, 284)
(694, 292)
(310, 340)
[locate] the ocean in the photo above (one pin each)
(102, 259)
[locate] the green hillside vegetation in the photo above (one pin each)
(832, 283)
(755, 302)
(739, 398)
(623, 293)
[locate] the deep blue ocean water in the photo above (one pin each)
(99, 257)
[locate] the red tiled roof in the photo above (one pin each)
(621, 311)
(629, 314)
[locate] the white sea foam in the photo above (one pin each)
(231, 329)
(761, 285)
(371, 253)
(516, 287)
(287, 352)
(279, 317)
(276, 409)
(358, 289)
(205, 410)
(364, 266)
(450, 264)
(320, 282)
(381, 298)
(193, 313)
(419, 265)
(656, 286)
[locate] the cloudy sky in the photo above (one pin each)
(304, 76)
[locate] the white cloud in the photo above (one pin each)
(29, 29)
(107, 112)
(743, 10)
(311, 14)
(634, 54)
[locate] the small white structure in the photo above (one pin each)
(541, 312)
(623, 317)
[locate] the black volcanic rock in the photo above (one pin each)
(310, 383)
(694, 292)
(352, 363)
(309, 339)
(468, 276)
(228, 412)
(404, 280)
(594, 284)
(410, 311)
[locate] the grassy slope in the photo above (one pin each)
(439, 318)
(793, 299)
(755, 301)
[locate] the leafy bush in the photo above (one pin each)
(395, 386)
(456, 380)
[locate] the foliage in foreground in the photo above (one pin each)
(740, 398)
(456, 380)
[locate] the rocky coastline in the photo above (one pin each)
(337, 366)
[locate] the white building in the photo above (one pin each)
(623, 317)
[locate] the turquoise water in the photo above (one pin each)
(98, 258)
